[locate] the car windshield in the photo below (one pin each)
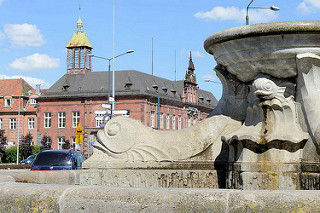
(31, 157)
(52, 159)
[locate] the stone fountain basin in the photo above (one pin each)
(269, 48)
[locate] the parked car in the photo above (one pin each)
(28, 160)
(56, 160)
(79, 158)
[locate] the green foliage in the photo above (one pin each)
(36, 149)
(26, 147)
(46, 142)
(3, 139)
(10, 155)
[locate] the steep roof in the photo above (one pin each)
(14, 87)
(18, 88)
(79, 39)
(93, 84)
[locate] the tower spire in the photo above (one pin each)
(191, 65)
(79, 50)
(79, 23)
(190, 76)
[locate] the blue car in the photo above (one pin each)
(28, 160)
(55, 160)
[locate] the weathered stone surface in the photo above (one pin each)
(60, 198)
(263, 130)
(128, 140)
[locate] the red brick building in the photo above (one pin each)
(75, 97)
(18, 112)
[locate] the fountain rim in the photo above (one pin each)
(272, 28)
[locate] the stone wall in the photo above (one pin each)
(26, 197)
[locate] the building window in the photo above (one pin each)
(168, 121)
(70, 54)
(98, 122)
(189, 120)
(60, 142)
(47, 120)
(7, 102)
(179, 122)
(30, 123)
(152, 119)
(13, 123)
(81, 58)
(173, 122)
(61, 120)
(0, 123)
(88, 59)
(76, 58)
(75, 119)
(33, 101)
(161, 120)
(73, 142)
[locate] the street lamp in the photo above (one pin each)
(274, 8)
(18, 140)
(109, 69)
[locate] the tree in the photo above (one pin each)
(3, 142)
(3, 139)
(26, 147)
(66, 145)
(46, 142)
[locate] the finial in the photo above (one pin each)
(79, 23)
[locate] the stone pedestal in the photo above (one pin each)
(264, 133)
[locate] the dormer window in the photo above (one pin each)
(173, 92)
(33, 101)
(7, 102)
(165, 89)
(128, 84)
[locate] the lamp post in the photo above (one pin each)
(109, 70)
(158, 118)
(18, 131)
(18, 140)
(274, 8)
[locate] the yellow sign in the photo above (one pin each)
(79, 139)
(79, 130)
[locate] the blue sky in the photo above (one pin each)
(34, 33)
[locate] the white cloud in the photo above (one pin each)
(221, 14)
(308, 6)
(23, 35)
(235, 14)
(2, 35)
(211, 77)
(30, 80)
(35, 62)
(197, 54)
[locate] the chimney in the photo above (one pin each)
(38, 89)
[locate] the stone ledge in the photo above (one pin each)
(24, 197)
